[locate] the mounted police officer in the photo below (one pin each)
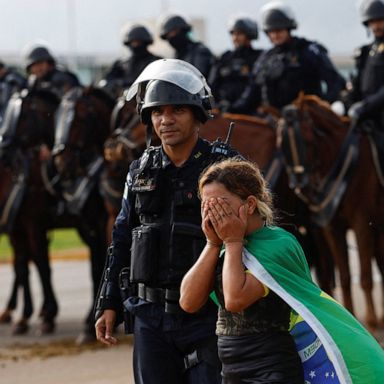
(44, 73)
(230, 74)
(124, 72)
(10, 82)
(367, 94)
(176, 31)
(157, 235)
(292, 66)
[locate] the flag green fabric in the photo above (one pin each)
(333, 345)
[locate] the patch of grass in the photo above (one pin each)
(60, 239)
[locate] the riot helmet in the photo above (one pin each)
(244, 25)
(137, 32)
(38, 54)
(173, 22)
(171, 82)
(371, 10)
(277, 15)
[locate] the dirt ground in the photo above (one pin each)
(56, 359)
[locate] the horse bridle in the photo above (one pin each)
(322, 200)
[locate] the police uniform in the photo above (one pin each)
(10, 82)
(124, 72)
(57, 81)
(193, 52)
(197, 54)
(157, 237)
(162, 211)
(284, 71)
(230, 75)
(368, 85)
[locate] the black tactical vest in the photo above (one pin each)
(170, 238)
(372, 69)
(283, 72)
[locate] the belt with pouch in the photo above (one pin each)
(169, 298)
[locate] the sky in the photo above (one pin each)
(93, 27)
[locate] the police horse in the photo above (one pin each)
(82, 124)
(82, 127)
(333, 168)
(126, 142)
(24, 200)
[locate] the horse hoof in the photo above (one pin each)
(20, 328)
(85, 338)
(46, 328)
(5, 317)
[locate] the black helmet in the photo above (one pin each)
(171, 82)
(159, 92)
(277, 15)
(137, 32)
(173, 22)
(246, 26)
(38, 54)
(371, 10)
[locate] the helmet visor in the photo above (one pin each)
(174, 71)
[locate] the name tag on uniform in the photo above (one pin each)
(143, 184)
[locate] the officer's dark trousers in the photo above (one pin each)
(161, 341)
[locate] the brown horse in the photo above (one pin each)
(29, 121)
(126, 143)
(83, 125)
(256, 139)
(333, 172)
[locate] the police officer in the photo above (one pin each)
(230, 74)
(44, 73)
(10, 82)
(157, 235)
(367, 94)
(291, 66)
(175, 30)
(124, 72)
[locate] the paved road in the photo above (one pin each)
(56, 359)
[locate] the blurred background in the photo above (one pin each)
(85, 35)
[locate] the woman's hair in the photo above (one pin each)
(242, 178)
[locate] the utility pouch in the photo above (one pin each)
(188, 241)
(144, 253)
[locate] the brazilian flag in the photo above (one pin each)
(334, 347)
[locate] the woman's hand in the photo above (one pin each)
(227, 224)
(207, 226)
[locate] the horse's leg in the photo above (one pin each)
(323, 261)
(19, 243)
(6, 315)
(379, 255)
(335, 236)
(95, 238)
(40, 256)
(366, 244)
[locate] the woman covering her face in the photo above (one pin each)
(274, 324)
